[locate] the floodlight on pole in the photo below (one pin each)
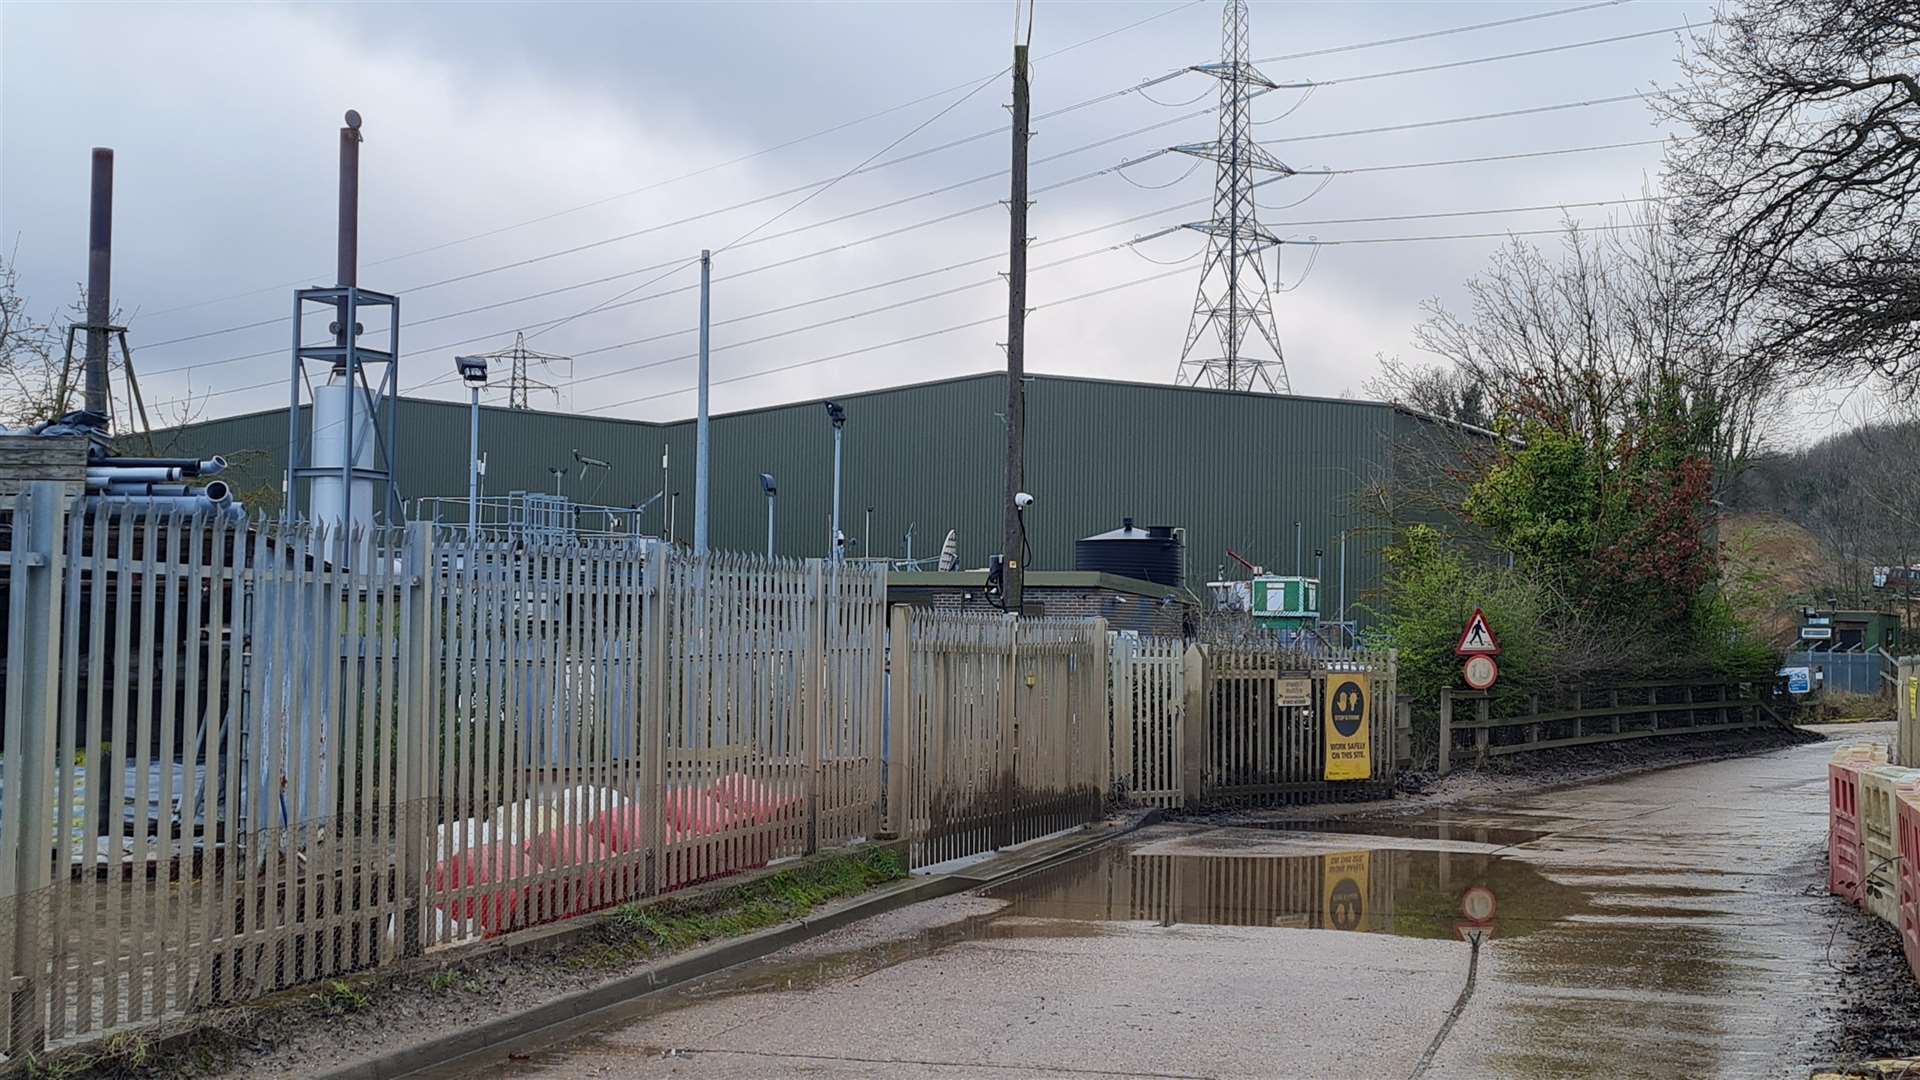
(473, 372)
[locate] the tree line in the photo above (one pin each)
(1614, 392)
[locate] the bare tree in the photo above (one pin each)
(40, 378)
(1581, 343)
(1799, 180)
(32, 377)
(1445, 392)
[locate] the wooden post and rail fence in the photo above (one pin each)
(1587, 716)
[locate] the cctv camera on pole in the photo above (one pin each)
(837, 416)
(767, 486)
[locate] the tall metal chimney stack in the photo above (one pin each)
(99, 280)
(349, 247)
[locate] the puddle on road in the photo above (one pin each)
(1239, 878)
(1436, 826)
(1411, 893)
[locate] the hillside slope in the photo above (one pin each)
(1771, 566)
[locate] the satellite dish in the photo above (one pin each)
(950, 552)
(353, 119)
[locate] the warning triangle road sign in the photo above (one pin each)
(1477, 639)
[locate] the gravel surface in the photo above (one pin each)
(1875, 1010)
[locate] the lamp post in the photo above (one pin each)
(767, 485)
(837, 416)
(473, 372)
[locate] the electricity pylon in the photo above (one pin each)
(1234, 294)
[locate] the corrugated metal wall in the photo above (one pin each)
(1235, 469)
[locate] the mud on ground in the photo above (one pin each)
(1875, 1008)
(1541, 770)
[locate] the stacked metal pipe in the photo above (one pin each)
(160, 483)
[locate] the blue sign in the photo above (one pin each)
(1799, 679)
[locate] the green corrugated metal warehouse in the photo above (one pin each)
(1234, 469)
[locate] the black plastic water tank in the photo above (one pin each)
(1155, 553)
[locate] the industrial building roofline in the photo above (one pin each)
(856, 395)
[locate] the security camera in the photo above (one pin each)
(1022, 500)
(767, 485)
(836, 414)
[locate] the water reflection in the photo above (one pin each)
(1411, 893)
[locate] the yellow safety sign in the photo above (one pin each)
(1349, 737)
(1343, 903)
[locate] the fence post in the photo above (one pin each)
(1103, 673)
(899, 704)
(1903, 693)
(653, 704)
(33, 696)
(1000, 830)
(815, 714)
(1446, 730)
(419, 726)
(1122, 661)
(1193, 724)
(1480, 734)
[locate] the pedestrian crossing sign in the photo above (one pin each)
(1477, 639)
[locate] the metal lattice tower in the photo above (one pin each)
(519, 384)
(1234, 294)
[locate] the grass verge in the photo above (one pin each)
(627, 936)
(643, 931)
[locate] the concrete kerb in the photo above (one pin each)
(579, 1009)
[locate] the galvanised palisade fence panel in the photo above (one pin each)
(247, 754)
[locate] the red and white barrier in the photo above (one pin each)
(1846, 856)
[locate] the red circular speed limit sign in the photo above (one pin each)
(1480, 671)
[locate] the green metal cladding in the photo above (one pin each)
(1234, 469)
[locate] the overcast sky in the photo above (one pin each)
(500, 134)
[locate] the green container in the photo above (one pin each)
(1291, 603)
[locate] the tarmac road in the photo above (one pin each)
(1666, 924)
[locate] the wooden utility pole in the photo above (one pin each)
(1015, 568)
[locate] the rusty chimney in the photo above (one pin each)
(99, 280)
(349, 247)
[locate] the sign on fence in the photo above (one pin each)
(1293, 691)
(1799, 679)
(1349, 742)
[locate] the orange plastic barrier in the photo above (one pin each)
(497, 863)
(1909, 811)
(1845, 856)
(581, 857)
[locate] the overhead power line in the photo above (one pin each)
(996, 318)
(694, 174)
(886, 234)
(1113, 95)
(797, 204)
(677, 263)
(1446, 32)
(1309, 242)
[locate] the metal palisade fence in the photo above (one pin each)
(244, 755)
(1260, 735)
(1000, 726)
(1149, 709)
